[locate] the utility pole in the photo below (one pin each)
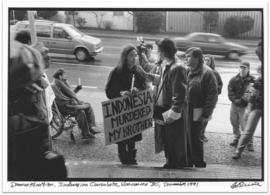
(32, 27)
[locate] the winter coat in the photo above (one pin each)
(174, 89)
(174, 138)
(202, 90)
(237, 88)
(121, 81)
(254, 94)
(219, 81)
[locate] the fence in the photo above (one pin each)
(184, 22)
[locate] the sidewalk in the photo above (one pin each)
(93, 159)
(150, 37)
(146, 170)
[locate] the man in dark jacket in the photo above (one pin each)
(254, 110)
(236, 90)
(66, 99)
(202, 97)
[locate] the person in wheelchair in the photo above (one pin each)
(68, 103)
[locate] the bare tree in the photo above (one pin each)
(99, 17)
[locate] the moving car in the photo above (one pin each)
(64, 39)
(210, 43)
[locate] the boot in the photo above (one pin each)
(236, 155)
(250, 147)
(234, 142)
(132, 157)
(123, 158)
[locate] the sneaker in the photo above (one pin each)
(236, 155)
(250, 148)
(234, 142)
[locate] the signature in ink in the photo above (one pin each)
(244, 184)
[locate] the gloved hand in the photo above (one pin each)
(79, 87)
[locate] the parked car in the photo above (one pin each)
(64, 39)
(211, 44)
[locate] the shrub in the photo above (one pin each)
(107, 25)
(46, 14)
(18, 14)
(236, 25)
(81, 21)
(150, 21)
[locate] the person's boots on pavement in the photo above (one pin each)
(122, 153)
(234, 142)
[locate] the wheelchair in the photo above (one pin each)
(63, 119)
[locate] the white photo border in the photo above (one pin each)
(201, 186)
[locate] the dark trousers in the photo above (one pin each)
(84, 116)
(124, 148)
(203, 129)
(126, 151)
(197, 144)
(27, 159)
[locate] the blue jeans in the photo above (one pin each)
(237, 120)
(253, 118)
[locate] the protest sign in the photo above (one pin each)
(127, 116)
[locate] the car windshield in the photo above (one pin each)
(72, 31)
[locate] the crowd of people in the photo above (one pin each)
(186, 88)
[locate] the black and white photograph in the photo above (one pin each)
(127, 97)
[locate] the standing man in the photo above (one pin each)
(202, 98)
(254, 110)
(236, 91)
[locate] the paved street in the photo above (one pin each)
(91, 158)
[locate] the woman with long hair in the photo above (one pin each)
(119, 84)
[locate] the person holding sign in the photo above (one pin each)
(122, 81)
(170, 111)
(202, 97)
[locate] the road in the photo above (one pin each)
(94, 75)
(112, 50)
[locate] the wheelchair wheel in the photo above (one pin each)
(57, 124)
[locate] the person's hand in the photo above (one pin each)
(134, 90)
(79, 87)
(144, 57)
(140, 70)
(203, 119)
(169, 120)
(125, 93)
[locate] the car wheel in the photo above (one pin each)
(233, 55)
(81, 54)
